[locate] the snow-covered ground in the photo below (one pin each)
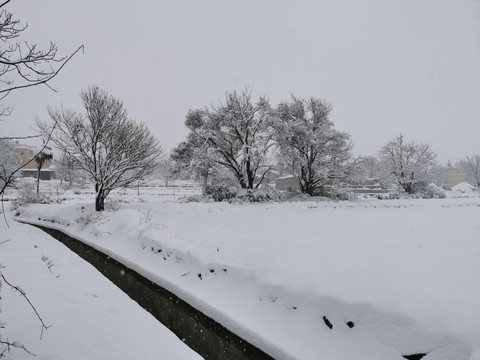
(90, 318)
(393, 277)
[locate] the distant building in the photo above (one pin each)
(454, 177)
(29, 166)
(269, 178)
(287, 183)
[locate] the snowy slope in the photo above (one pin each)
(404, 273)
(90, 317)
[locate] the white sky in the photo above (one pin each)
(387, 66)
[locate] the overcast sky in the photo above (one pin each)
(387, 66)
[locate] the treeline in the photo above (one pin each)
(245, 139)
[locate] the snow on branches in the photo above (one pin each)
(113, 150)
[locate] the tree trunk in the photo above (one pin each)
(250, 175)
(39, 167)
(100, 200)
(309, 188)
(408, 188)
(243, 183)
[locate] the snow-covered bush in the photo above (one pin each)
(433, 191)
(112, 204)
(422, 190)
(221, 192)
(335, 193)
(260, 195)
(195, 199)
(28, 195)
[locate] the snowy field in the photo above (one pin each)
(369, 279)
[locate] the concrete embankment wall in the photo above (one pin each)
(201, 333)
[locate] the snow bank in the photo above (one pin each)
(391, 277)
(464, 187)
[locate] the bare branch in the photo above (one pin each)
(5, 3)
(46, 79)
(8, 345)
(22, 293)
(20, 137)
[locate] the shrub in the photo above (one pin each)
(28, 195)
(432, 191)
(221, 192)
(336, 193)
(260, 195)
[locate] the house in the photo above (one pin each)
(29, 166)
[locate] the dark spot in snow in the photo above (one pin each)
(294, 307)
(200, 276)
(350, 324)
(327, 322)
(414, 356)
(212, 270)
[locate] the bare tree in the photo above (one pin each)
(309, 147)
(166, 170)
(113, 150)
(470, 166)
(407, 163)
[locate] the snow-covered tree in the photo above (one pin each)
(191, 156)
(234, 135)
(470, 166)
(10, 163)
(439, 175)
(113, 150)
(309, 147)
(64, 169)
(167, 170)
(407, 163)
(366, 170)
